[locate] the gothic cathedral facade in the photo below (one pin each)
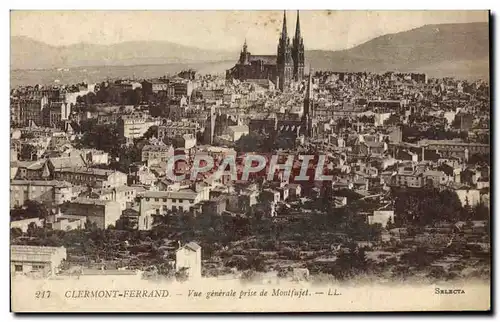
(283, 69)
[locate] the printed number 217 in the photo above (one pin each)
(42, 294)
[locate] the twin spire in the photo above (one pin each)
(284, 33)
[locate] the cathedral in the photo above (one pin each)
(285, 67)
(286, 126)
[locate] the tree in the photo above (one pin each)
(28, 152)
(152, 131)
(125, 224)
(182, 274)
(90, 225)
(31, 209)
(32, 229)
(254, 142)
(390, 224)
(350, 262)
(480, 212)
(15, 232)
(426, 206)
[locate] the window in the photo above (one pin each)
(18, 268)
(38, 267)
(164, 199)
(180, 200)
(147, 199)
(174, 200)
(156, 199)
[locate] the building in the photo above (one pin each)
(56, 113)
(93, 177)
(283, 68)
(122, 195)
(451, 148)
(291, 127)
(237, 131)
(409, 178)
(435, 178)
(188, 258)
(101, 212)
(32, 110)
(154, 86)
(29, 170)
(67, 224)
(154, 154)
(133, 126)
(36, 259)
(46, 192)
(24, 224)
(162, 201)
(170, 129)
(15, 110)
(382, 217)
(470, 197)
(95, 157)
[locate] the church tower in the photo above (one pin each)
(308, 113)
(284, 61)
(244, 54)
(298, 53)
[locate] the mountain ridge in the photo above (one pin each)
(461, 48)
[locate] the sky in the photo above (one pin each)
(226, 30)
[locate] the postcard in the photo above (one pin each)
(250, 161)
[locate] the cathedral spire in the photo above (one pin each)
(297, 26)
(309, 86)
(283, 31)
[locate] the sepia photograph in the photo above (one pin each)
(250, 161)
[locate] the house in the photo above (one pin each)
(188, 258)
(214, 206)
(61, 223)
(372, 147)
(381, 217)
(342, 183)
(94, 177)
(294, 190)
(36, 259)
(121, 194)
(49, 192)
(408, 178)
(142, 175)
(23, 224)
(161, 201)
(237, 131)
(270, 195)
(30, 170)
(471, 197)
(154, 154)
(66, 163)
(435, 178)
(284, 193)
(95, 157)
(101, 212)
(407, 155)
(339, 202)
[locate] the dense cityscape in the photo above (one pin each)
(409, 158)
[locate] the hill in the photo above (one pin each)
(440, 50)
(27, 53)
(460, 50)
